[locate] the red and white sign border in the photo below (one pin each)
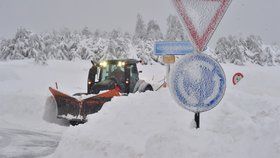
(234, 81)
(200, 43)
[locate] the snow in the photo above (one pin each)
(142, 125)
(244, 124)
(28, 123)
(73, 45)
(201, 13)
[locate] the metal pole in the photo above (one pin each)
(167, 72)
(197, 119)
(56, 86)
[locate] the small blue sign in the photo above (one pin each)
(173, 48)
(197, 82)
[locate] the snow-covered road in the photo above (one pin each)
(17, 143)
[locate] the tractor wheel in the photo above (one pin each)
(74, 123)
(148, 88)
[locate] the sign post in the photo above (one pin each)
(198, 81)
(197, 119)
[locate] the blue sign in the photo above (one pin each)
(173, 48)
(197, 82)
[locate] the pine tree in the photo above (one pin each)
(175, 31)
(86, 32)
(153, 31)
(140, 29)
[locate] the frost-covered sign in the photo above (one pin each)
(197, 82)
(173, 48)
(201, 17)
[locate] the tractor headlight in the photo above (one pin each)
(120, 63)
(104, 64)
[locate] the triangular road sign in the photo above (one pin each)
(201, 17)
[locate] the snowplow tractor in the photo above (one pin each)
(105, 80)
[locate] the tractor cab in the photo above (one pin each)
(108, 74)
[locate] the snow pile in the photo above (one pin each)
(8, 74)
(25, 100)
(151, 125)
(245, 123)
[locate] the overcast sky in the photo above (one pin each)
(243, 17)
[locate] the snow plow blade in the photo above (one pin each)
(71, 108)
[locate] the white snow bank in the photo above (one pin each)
(24, 94)
(7, 75)
(25, 100)
(151, 125)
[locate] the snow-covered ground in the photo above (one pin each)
(142, 125)
(26, 108)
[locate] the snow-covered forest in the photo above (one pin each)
(66, 44)
(251, 49)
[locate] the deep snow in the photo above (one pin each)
(245, 123)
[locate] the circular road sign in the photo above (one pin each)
(237, 77)
(197, 82)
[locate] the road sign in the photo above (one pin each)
(201, 17)
(173, 48)
(169, 59)
(237, 77)
(197, 82)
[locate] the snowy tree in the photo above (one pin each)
(277, 59)
(86, 32)
(267, 56)
(175, 31)
(142, 52)
(153, 31)
(84, 45)
(240, 51)
(7, 51)
(97, 33)
(36, 47)
(276, 50)
(17, 48)
(140, 29)
(51, 42)
(229, 50)
(118, 46)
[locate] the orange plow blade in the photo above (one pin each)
(71, 108)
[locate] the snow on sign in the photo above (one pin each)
(201, 17)
(197, 82)
(173, 48)
(237, 77)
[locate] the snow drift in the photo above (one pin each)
(149, 125)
